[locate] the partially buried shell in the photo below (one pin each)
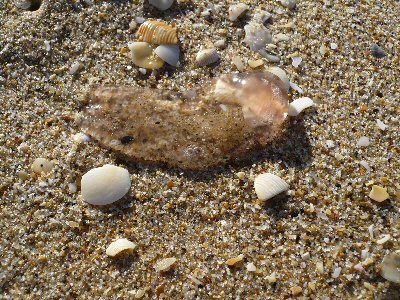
(268, 185)
(206, 57)
(156, 32)
(218, 121)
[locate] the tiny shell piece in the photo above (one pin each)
(42, 165)
(296, 61)
(165, 264)
(255, 63)
(118, 246)
(378, 193)
(383, 239)
(390, 269)
(381, 125)
(206, 57)
(161, 4)
(233, 261)
(156, 32)
(237, 61)
(142, 55)
(288, 3)
(168, 53)
(105, 185)
(236, 10)
(268, 185)
(363, 142)
(251, 267)
(298, 105)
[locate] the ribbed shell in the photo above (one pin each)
(206, 57)
(268, 185)
(156, 32)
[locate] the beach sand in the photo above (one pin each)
(53, 243)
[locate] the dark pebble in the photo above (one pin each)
(377, 51)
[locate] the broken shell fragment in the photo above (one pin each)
(165, 264)
(105, 185)
(142, 55)
(298, 105)
(233, 261)
(206, 57)
(236, 10)
(268, 185)
(390, 268)
(119, 246)
(239, 112)
(168, 53)
(257, 36)
(156, 32)
(378, 193)
(281, 74)
(161, 4)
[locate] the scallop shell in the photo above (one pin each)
(161, 4)
(236, 10)
(206, 57)
(168, 53)
(156, 32)
(268, 185)
(217, 121)
(298, 105)
(118, 246)
(391, 267)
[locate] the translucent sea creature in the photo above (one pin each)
(219, 121)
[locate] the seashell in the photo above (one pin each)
(296, 61)
(161, 4)
(105, 185)
(31, 5)
(236, 10)
(168, 53)
(142, 55)
(42, 166)
(298, 105)
(363, 141)
(281, 74)
(206, 57)
(119, 246)
(255, 63)
(268, 185)
(157, 126)
(156, 32)
(165, 264)
(237, 61)
(378, 193)
(390, 268)
(257, 36)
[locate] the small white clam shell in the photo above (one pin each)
(118, 246)
(236, 10)
(168, 53)
(281, 74)
(161, 4)
(206, 57)
(391, 267)
(165, 264)
(268, 185)
(105, 185)
(298, 105)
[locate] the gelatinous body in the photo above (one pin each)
(219, 121)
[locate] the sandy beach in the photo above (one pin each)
(324, 238)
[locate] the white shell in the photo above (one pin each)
(161, 4)
(236, 10)
(268, 185)
(281, 74)
(119, 246)
(391, 267)
(363, 141)
(168, 53)
(296, 61)
(206, 57)
(298, 105)
(165, 264)
(381, 125)
(105, 185)
(296, 88)
(42, 165)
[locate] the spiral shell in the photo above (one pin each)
(156, 32)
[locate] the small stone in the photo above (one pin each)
(336, 272)
(320, 267)
(42, 166)
(255, 63)
(235, 260)
(291, 4)
(105, 185)
(241, 175)
(72, 187)
(237, 61)
(381, 125)
(296, 290)
(378, 193)
(334, 46)
(23, 175)
(296, 61)
(119, 246)
(80, 137)
(271, 278)
(251, 267)
(377, 51)
(329, 144)
(139, 293)
(75, 67)
(363, 142)
(369, 286)
(220, 43)
(165, 264)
